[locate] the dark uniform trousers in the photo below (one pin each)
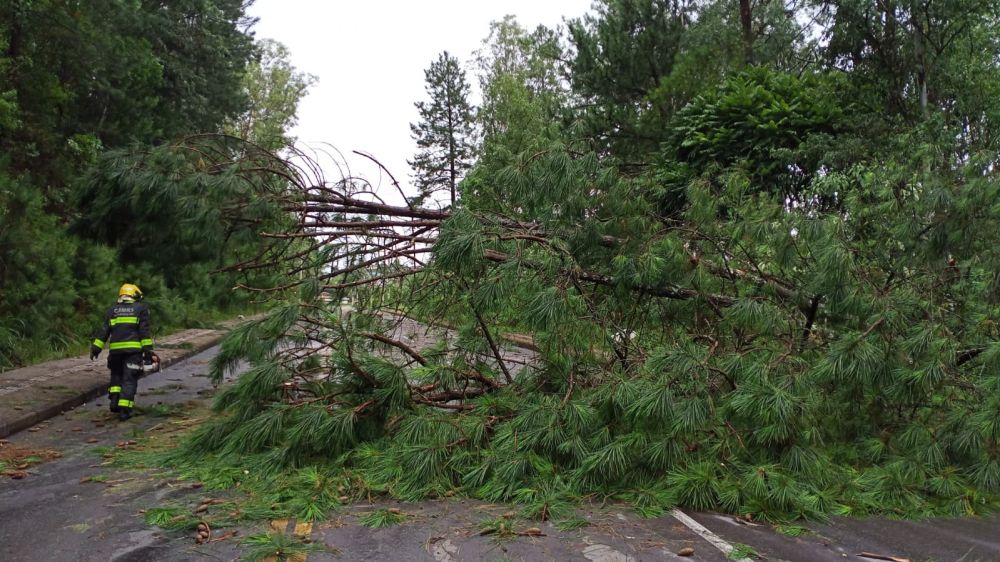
(125, 372)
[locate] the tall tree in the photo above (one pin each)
(623, 52)
(638, 62)
(524, 98)
(274, 88)
(909, 51)
(109, 74)
(445, 134)
(523, 91)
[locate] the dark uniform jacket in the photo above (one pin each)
(126, 329)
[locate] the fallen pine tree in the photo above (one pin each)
(744, 355)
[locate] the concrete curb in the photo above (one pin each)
(25, 419)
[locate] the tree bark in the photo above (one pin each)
(746, 22)
(920, 53)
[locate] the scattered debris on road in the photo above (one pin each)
(16, 459)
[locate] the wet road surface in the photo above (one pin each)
(56, 513)
(73, 509)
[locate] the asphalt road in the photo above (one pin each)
(54, 514)
(59, 513)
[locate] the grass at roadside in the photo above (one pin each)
(223, 494)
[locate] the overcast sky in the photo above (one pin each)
(370, 56)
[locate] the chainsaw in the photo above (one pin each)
(151, 365)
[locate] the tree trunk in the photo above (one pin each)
(920, 53)
(746, 21)
(452, 178)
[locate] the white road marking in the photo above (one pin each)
(702, 531)
(444, 551)
(604, 553)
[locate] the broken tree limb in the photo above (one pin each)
(678, 293)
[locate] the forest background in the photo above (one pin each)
(82, 83)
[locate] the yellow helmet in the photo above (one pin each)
(130, 290)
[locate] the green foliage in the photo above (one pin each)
(523, 100)
(745, 289)
(622, 52)
(81, 84)
(381, 518)
(742, 551)
(500, 528)
(761, 118)
(172, 518)
(164, 207)
(273, 88)
(791, 530)
(928, 55)
(278, 546)
(34, 288)
(636, 63)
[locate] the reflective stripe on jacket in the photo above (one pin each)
(126, 329)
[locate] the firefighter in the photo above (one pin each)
(130, 344)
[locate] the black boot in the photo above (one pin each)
(113, 402)
(124, 414)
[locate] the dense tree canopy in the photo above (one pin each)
(83, 84)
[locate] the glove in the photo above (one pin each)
(147, 356)
(94, 352)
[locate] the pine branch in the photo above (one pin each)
(678, 293)
(357, 370)
(398, 345)
(493, 346)
(810, 318)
